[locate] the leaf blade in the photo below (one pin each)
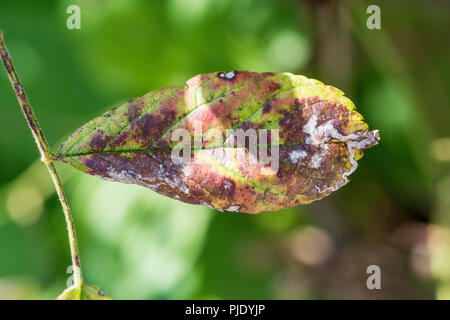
(132, 143)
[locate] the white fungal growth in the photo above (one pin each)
(319, 136)
(120, 176)
(297, 155)
(188, 171)
(227, 184)
(130, 177)
(150, 182)
(316, 160)
(364, 141)
(162, 176)
(233, 209)
(228, 76)
(172, 180)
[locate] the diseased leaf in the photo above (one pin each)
(86, 292)
(320, 139)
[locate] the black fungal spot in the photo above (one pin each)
(285, 120)
(227, 76)
(227, 187)
(280, 174)
(266, 107)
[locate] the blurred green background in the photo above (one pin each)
(135, 244)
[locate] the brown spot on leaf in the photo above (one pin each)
(98, 141)
(148, 126)
(227, 187)
(135, 111)
(119, 141)
(266, 107)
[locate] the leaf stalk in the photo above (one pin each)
(46, 156)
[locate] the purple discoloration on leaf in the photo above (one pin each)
(321, 137)
(99, 141)
(134, 111)
(266, 107)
